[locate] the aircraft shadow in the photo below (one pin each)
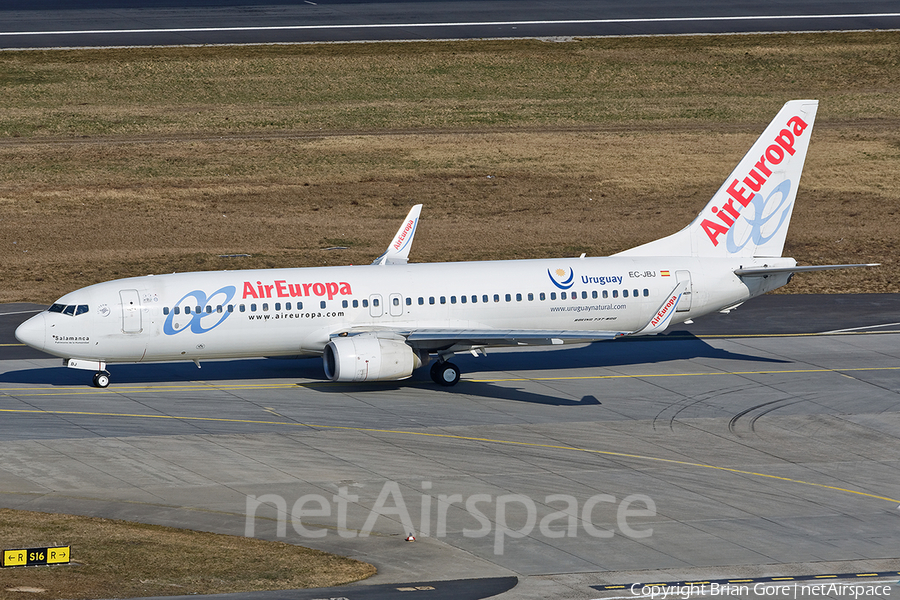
(678, 345)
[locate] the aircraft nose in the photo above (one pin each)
(33, 331)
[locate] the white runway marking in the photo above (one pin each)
(450, 24)
(860, 328)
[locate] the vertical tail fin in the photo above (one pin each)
(749, 215)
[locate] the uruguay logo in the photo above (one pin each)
(557, 278)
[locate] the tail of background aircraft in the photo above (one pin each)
(749, 215)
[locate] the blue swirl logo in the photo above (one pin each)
(560, 273)
(761, 217)
(196, 318)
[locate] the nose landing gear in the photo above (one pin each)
(101, 379)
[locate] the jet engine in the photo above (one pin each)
(366, 357)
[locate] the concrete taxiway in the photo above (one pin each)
(763, 447)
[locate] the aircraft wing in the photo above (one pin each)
(506, 337)
(461, 340)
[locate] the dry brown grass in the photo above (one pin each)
(115, 559)
(128, 162)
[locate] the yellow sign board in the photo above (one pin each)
(28, 557)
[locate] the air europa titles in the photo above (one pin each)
(665, 310)
(283, 289)
(743, 192)
(410, 225)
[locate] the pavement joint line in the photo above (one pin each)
(462, 438)
(700, 374)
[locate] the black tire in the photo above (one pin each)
(447, 374)
(435, 372)
(101, 379)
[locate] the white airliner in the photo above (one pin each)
(382, 321)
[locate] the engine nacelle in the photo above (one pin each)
(366, 357)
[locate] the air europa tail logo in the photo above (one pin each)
(723, 218)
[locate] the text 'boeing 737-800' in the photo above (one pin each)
(382, 321)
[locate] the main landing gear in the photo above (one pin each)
(444, 373)
(101, 379)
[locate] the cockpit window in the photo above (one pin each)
(73, 310)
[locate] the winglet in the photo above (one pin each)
(397, 252)
(663, 316)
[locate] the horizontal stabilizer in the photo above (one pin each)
(763, 271)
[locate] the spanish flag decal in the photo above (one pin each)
(664, 273)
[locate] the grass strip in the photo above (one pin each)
(118, 559)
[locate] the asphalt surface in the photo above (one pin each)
(761, 448)
(54, 23)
